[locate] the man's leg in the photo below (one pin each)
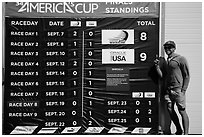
(165, 117)
(181, 104)
(174, 117)
(185, 121)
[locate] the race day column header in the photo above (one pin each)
(81, 9)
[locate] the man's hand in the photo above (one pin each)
(156, 62)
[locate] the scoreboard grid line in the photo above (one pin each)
(82, 90)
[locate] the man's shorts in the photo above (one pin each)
(176, 96)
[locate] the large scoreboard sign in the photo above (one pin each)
(80, 67)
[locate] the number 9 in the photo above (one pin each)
(143, 56)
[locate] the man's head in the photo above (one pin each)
(169, 47)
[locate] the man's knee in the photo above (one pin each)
(181, 108)
(182, 111)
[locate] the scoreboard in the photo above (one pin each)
(80, 68)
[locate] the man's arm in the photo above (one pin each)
(160, 67)
(159, 72)
(185, 73)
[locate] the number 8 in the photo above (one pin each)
(143, 36)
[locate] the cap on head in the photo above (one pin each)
(170, 44)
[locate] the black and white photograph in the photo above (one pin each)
(101, 68)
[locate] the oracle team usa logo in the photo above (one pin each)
(118, 56)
